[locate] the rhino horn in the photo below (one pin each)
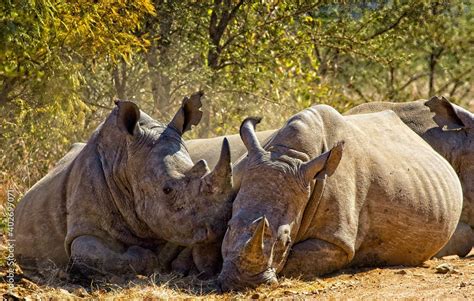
(220, 179)
(324, 165)
(253, 249)
(223, 169)
(247, 133)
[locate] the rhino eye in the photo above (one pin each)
(167, 190)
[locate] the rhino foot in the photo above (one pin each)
(91, 257)
(208, 260)
(460, 243)
(183, 264)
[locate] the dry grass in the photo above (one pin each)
(378, 283)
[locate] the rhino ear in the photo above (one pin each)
(128, 116)
(220, 179)
(199, 169)
(449, 116)
(324, 165)
(189, 113)
(466, 117)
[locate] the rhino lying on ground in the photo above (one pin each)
(449, 129)
(206, 259)
(109, 205)
(382, 196)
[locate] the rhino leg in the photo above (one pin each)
(91, 256)
(167, 255)
(314, 257)
(460, 243)
(204, 260)
(183, 264)
(208, 259)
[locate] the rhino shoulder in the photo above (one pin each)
(314, 117)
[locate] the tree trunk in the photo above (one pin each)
(119, 75)
(157, 59)
(222, 13)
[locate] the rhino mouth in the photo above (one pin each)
(231, 279)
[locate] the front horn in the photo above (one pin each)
(254, 247)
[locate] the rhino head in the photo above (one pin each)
(267, 211)
(155, 185)
(454, 139)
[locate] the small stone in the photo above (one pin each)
(425, 265)
(141, 277)
(63, 291)
(444, 268)
(401, 272)
(462, 284)
(28, 284)
(450, 257)
(81, 292)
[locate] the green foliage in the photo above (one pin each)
(47, 48)
(63, 63)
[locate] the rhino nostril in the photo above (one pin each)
(210, 233)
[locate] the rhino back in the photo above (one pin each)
(429, 122)
(392, 198)
(415, 199)
(418, 116)
(414, 114)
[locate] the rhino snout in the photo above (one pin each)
(230, 279)
(204, 234)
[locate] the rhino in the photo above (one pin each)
(449, 129)
(206, 260)
(330, 191)
(110, 205)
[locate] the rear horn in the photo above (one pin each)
(248, 136)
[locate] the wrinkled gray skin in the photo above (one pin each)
(208, 149)
(206, 259)
(449, 129)
(109, 205)
(382, 196)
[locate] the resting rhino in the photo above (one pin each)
(330, 191)
(449, 129)
(206, 259)
(109, 205)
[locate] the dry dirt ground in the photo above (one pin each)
(447, 278)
